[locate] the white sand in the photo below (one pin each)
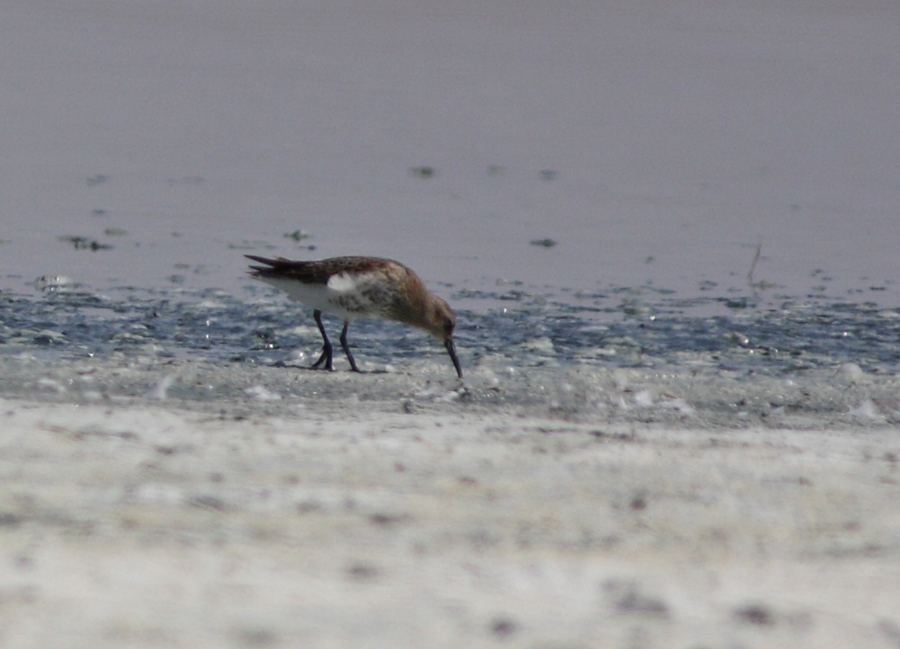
(142, 526)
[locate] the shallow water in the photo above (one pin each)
(526, 329)
(609, 359)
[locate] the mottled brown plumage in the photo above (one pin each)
(360, 287)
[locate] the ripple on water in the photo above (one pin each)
(566, 358)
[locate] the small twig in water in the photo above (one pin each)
(753, 263)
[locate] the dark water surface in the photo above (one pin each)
(806, 363)
(525, 330)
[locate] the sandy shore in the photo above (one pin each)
(136, 525)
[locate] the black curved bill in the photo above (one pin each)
(451, 349)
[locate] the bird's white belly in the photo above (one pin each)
(348, 297)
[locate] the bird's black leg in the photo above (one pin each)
(347, 347)
(327, 354)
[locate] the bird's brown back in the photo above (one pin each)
(318, 271)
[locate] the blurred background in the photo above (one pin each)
(569, 145)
